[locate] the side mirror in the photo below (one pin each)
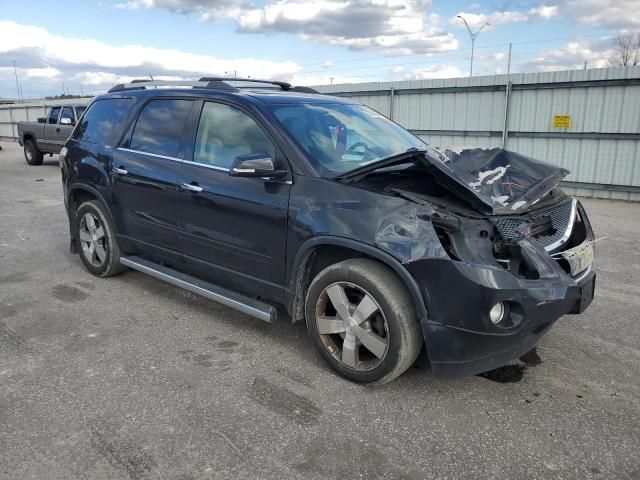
(255, 165)
(66, 121)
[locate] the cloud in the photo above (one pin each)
(46, 56)
(476, 20)
(437, 71)
(572, 55)
(207, 9)
(390, 25)
(618, 14)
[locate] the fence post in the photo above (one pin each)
(13, 132)
(392, 96)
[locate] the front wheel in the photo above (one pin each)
(362, 322)
(98, 247)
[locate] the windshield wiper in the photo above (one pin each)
(361, 172)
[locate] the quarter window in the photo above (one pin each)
(224, 133)
(103, 122)
(160, 126)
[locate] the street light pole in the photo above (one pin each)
(15, 72)
(473, 35)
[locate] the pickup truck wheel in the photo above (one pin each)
(362, 322)
(98, 247)
(32, 154)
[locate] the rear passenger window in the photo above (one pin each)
(159, 127)
(103, 122)
(225, 133)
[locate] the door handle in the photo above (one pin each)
(119, 171)
(191, 187)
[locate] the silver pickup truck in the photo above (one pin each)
(49, 133)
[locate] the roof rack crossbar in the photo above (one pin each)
(282, 85)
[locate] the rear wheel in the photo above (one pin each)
(32, 153)
(362, 321)
(97, 245)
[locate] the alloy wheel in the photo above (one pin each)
(93, 239)
(352, 326)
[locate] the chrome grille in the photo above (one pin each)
(561, 219)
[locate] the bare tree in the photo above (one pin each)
(628, 45)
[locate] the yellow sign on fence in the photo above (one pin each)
(562, 121)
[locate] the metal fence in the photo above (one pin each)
(585, 120)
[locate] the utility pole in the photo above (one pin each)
(509, 62)
(15, 72)
(473, 35)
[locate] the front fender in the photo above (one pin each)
(304, 254)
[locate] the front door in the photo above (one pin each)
(50, 142)
(144, 171)
(232, 229)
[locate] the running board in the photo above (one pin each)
(243, 304)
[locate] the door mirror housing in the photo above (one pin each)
(255, 165)
(66, 121)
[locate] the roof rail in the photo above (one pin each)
(219, 83)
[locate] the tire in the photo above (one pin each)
(381, 337)
(32, 153)
(97, 244)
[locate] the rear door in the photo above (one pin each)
(145, 169)
(232, 229)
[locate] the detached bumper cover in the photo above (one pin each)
(459, 336)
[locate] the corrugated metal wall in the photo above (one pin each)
(601, 147)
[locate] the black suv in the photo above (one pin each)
(260, 195)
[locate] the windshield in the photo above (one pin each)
(340, 137)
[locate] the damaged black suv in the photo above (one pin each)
(260, 195)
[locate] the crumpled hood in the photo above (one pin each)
(495, 181)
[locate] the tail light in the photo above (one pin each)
(62, 156)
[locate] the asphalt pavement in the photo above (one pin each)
(131, 378)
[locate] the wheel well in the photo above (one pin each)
(77, 198)
(314, 261)
(27, 136)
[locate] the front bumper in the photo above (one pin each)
(460, 338)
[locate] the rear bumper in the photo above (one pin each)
(459, 336)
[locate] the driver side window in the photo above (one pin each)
(224, 133)
(53, 115)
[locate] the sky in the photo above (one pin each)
(85, 46)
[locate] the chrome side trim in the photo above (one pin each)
(212, 167)
(568, 231)
(175, 159)
(258, 310)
